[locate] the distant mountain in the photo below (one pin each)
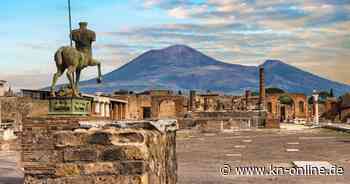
(180, 67)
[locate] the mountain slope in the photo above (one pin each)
(183, 68)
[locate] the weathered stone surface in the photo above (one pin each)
(133, 168)
(116, 153)
(71, 180)
(130, 137)
(139, 153)
(63, 139)
(64, 170)
(109, 179)
(44, 156)
(80, 154)
(32, 180)
(100, 168)
(100, 138)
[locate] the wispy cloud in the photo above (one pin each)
(303, 33)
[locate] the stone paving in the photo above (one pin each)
(200, 156)
(200, 161)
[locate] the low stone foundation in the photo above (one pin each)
(62, 150)
(224, 121)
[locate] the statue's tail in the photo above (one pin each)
(59, 56)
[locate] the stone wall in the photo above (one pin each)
(178, 100)
(297, 110)
(62, 150)
(167, 109)
(39, 108)
(223, 121)
(136, 105)
(345, 115)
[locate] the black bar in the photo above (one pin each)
(70, 24)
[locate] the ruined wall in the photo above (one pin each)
(135, 106)
(57, 150)
(39, 108)
(208, 103)
(167, 109)
(156, 102)
(223, 121)
(345, 115)
(299, 108)
(14, 109)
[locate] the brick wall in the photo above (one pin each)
(58, 150)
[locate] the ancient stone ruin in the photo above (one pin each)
(79, 150)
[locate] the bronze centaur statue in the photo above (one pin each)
(74, 61)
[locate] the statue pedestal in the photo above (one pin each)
(69, 106)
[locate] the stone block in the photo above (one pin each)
(133, 168)
(126, 152)
(80, 154)
(128, 137)
(67, 170)
(102, 138)
(100, 168)
(64, 139)
(109, 179)
(32, 180)
(45, 156)
(71, 180)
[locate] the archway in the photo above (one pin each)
(287, 111)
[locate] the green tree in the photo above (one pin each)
(254, 93)
(331, 93)
(274, 90)
(285, 99)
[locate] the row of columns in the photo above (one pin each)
(118, 111)
(112, 110)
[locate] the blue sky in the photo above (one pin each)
(313, 34)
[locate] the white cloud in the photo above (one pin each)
(151, 3)
(183, 12)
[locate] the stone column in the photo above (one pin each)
(108, 112)
(120, 111)
(315, 107)
(248, 93)
(97, 107)
(115, 111)
(124, 111)
(261, 88)
(192, 101)
(102, 109)
(206, 104)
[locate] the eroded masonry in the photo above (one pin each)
(78, 150)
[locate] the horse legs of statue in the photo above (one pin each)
(70, 76)
(57, 75)
(99, 80)
(98, 64)
(77, 79)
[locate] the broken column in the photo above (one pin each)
(261, 88)
(206, 104)
(315, 106)
(80, 151)
(248, 94)
(192, 100)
